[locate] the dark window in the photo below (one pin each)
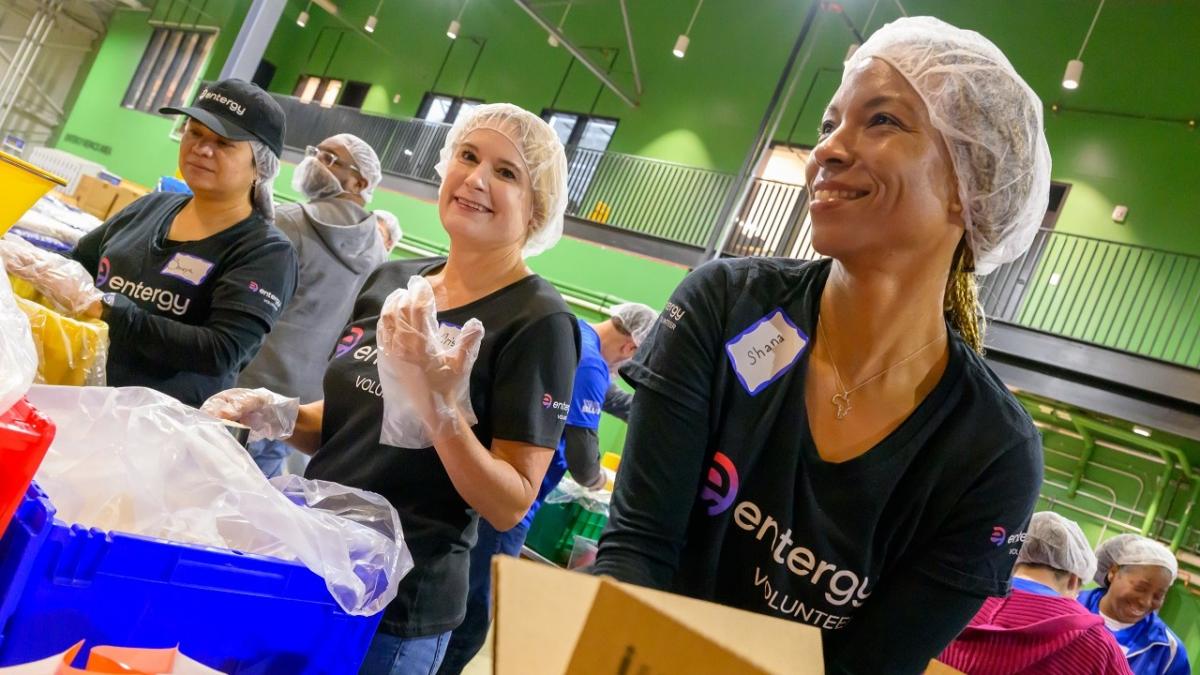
(169, 69)
(354, 94)
(444, 108)
(585, 131)
(264, 74)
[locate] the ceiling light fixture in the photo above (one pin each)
(1074, 72)
(302, 20)
(456, 25)
(373, 20)
(681, 42)
(553, 41)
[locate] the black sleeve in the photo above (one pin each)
(617, 402)
(537, 364)
(974, 547)
(656, 487)
(908, 620)
(216, 348)
(666, 446)
(582, 452)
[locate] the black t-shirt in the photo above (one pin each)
(770, 526)
(187, 315)
(520, 391)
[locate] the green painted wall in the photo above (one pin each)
(1113, 484)
(703, 111)
(141, 147)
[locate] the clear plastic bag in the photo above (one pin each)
(568, 491)
(18, 355)
(71, 351)
(135, 460)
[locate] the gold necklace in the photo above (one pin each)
(842, 400)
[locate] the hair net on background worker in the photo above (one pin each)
(267, 166)
(544, 159)
(634, 318)
(991, 121)
(1057, 542)
(365, 160)
(1132, 549)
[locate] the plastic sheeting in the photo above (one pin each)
(18, 355)
(135, 460)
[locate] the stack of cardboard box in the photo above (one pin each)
(106, 195)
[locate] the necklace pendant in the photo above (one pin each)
(842, 401)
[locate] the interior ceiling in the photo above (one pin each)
(1143, 58)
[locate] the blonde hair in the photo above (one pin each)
(962, 299)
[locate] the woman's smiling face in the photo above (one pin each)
(880, 180)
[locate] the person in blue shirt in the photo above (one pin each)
(604, 347)
(1134, 574)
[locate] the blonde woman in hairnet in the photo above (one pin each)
(822, 441)
(416, 329)
(1134, 574)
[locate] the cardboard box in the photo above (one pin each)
(550, 622)
(95, 196)
(103, 199)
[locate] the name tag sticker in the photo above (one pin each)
(765, 351)
(448, 334)
(187, 267)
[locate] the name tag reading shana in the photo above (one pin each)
(765, 350)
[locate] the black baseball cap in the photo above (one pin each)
(238, 110)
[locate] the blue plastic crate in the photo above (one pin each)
(234, 612)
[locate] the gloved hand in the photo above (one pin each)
(60, 279)
(269, 415)
(425, 372)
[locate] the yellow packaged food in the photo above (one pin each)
(70, 351)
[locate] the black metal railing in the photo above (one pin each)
(773, 222)
(1131, 298)
(660, 199)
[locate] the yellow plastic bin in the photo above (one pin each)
(70, 351)
(24, 184)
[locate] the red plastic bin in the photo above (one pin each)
(24, 436)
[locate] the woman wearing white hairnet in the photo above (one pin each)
(402, 398)
(822, 442)
(188, 284)
(1039, 628)
(1134, 574)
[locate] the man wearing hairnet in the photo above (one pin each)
(1134, 574)
(337, 242)
(1040, 628)
(604, 347)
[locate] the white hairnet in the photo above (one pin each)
(544, 158)
(1132, 549)
(365, 160)
(634, 318)
(1057, 542)
(392, 224)
(266, 164)
(991, 121)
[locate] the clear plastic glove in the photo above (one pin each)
(269, 415)
(425, 371)
(60, 279)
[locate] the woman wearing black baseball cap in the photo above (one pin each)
(190, 284)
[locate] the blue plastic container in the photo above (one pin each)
(234, 612)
